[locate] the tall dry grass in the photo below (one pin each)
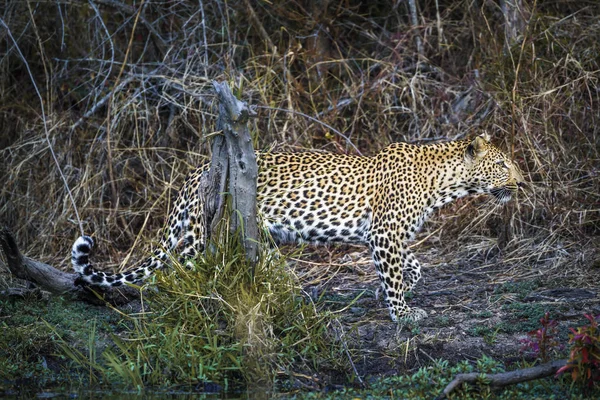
(128, 108)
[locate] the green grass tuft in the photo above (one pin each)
(216, 323)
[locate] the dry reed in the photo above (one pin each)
(129, 111)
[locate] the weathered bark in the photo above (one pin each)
(55, 281)
(237, 172)
(213, 187)
(505, 378)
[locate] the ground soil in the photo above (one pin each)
(478, 306)
(480, 301)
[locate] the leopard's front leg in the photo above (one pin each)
(411, 269)
(398, 272)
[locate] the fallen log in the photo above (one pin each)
(505, 378)
(55, 281)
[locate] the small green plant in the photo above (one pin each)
(542, 342)
(443, 321)
(488, 365)
(584, 359)
(479, 330)
(520, 289)
(524, 317)
(491, 337)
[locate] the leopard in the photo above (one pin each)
(380, 201)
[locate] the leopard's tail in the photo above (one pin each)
(80, 259)
(80, 255)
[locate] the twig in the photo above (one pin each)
(111, 175)
(338, 106)
(45, 123)
(318, 122)
(112, 47)
(103, 100)
(204, 38)
(261, 30)
(342, 337)
(132, 11)
(505, 378)
(414, 21)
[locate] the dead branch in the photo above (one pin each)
(505, 378)
(56, 281)
(259, 26)
(236, 145)
(158, 40)
(103, 100)
(414, 21)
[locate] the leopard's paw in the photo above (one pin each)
(408, 315)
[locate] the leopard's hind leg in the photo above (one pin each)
(193, 237)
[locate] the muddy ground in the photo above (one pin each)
(481, 303)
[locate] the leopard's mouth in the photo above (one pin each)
(503, 194)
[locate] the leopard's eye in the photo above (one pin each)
(502, 164)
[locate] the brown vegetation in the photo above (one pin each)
(121, 92)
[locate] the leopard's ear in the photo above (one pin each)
(477, 148)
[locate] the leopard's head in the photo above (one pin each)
(490, 170)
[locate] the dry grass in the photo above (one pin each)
(128, 109)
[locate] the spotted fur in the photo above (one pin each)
(380, 201)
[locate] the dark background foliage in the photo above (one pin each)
(121, 92)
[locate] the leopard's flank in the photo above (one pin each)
(380, 201)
